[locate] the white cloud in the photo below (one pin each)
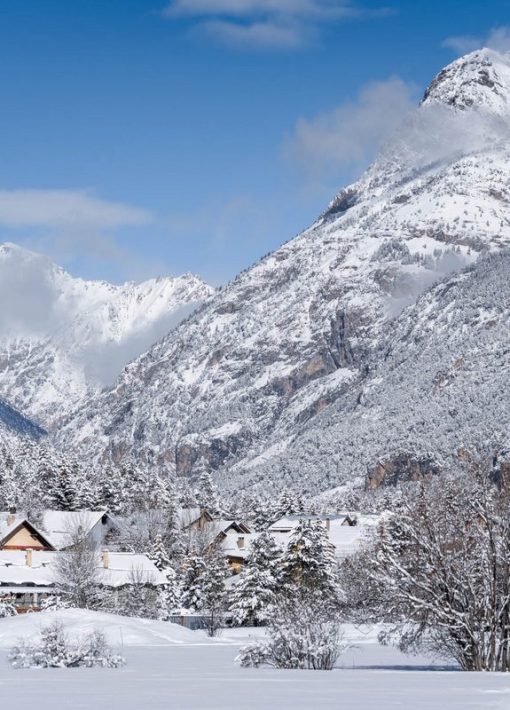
(27, 297)
(65, 208)
(350, 135)
(498, 38)
(283, 24)
(31, 305)
(260, 34)
(323, 9)
(73, 226)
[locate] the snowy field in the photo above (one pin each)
(170, 668)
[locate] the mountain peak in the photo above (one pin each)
(480, 79)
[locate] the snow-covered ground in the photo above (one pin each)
(170, 668)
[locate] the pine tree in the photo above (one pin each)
(193, 597)
(61, 493)
(137, 599)
(259, 583)
(111, 490)
(9, 490)
(214, 590)
(253, 596)
(206, 493)
(309, 561)
(169, 596)
(265, 553)
(204, 587)
(288, 503)
(159, 555)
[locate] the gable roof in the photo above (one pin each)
(9, 531)
(225, 525)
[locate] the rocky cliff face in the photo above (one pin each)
(262, 382)
(436, 394)
(64, 338)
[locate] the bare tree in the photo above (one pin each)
(76, 571)
(441, 571)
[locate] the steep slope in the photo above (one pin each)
(438, 389)
(64, 338)
(14, 425)
(22, 444)
(238, 381)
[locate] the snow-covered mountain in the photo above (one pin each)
(64, 338)
(250, 383)
(434, 394)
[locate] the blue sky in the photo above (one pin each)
(146, 137)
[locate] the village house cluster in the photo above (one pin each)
(29, 549)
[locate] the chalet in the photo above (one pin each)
(28, 576)
(233, 539)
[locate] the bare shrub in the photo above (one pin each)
(55, 650)
(304, 632)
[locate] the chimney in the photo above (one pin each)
(106, 559)
(240, 542)
(12, 516)
(28, 558)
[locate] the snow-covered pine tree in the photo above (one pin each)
(309, 561)
(213, 589)
(252, 596)
(137, 599)
(203, 587)
(206, 492)
(162, 494)
(259, 584)
(111, 489)
(159, 555)
(169, 596)
(288, 503)
(265, 553)
(62, 487)
(9, 490)
(54, 645)
(193, 597)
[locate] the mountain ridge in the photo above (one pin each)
(65, 338)
(298, 331)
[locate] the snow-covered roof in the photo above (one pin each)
(6, 527)
(123, 568)
(127, 567)
(61, 524)
(345, 537)
(222, 525)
